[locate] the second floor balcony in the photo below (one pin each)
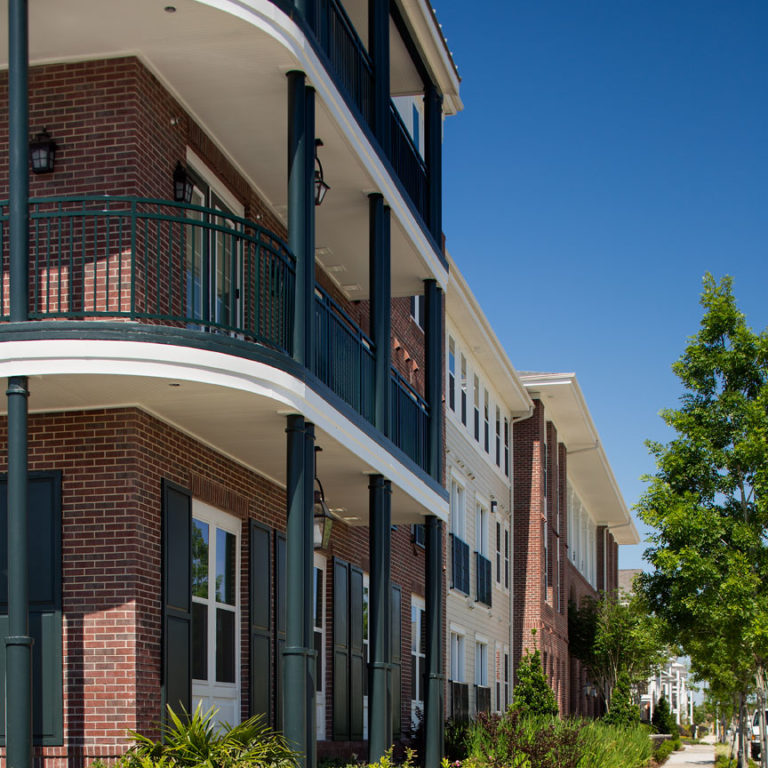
(154, 262)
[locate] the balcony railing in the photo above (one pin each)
(184, 266)
(351, 62)
(352, 65)
(344, 357)
(408, 163)
(459, 564)
(482, 698)
(483, 569)
(96, 258)
(459, 701)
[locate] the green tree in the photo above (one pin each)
(613, 637)
(662, 719)
(708, 501)
(532, 694)
(623, 711)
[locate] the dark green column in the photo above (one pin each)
(379, 532)
(433, 374)
(381, 312)
(298, 658)
(378, 47)
(18, 650)
(309, 574)
(301, 212)
(18, 161)
(434, 704)
(433, 156)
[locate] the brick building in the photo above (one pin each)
(569, 519)
(183, 328)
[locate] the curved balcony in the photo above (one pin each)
(139, 260)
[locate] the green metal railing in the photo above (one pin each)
(185, 266)
(344, 355)
(408, 417)
(102, 257)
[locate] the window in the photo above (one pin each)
(481, 663)
(498, 436)
(477, 408)
(457, 657)
(506, 679)
(506, 446)
(451, 373)
(458, 512)
(417, 310)
(216, 611)
(497, 678)
(418, 659)
(506, 558)
(498, 552)
(464, 390)
(482, 530)
(213, 256)
(487, 422)
(318, 624)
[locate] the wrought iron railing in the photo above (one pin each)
(344, 355)
(483, 576)
(351, 62)
(459, 564)
(101, 257)
(408, 422)
(407, 162)
(184, 266)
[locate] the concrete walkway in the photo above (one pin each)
(693, 756)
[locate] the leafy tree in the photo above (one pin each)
(624, 711)
(532, 694)
(613, 637)
(708, 501)
(662, 719)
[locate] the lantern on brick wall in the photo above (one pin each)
(320, 186)
(321, 513)
(42, 152)
(182, 185)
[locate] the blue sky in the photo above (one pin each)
(609, 153)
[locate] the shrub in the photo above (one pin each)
(662, 719)
(533, 696)
(610, 746)
(455, 739)
(663, 751)
(196, 741)
(622, 712)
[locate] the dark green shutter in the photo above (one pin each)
(280, 609)
(357, 663)
(260, 581)
(340, 650)
(396, 674)
(44, 527)
(177, 598)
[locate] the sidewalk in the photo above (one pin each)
(693, 756)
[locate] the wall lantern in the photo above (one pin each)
(321, 514)
(42, 152)
(182, 185)
(320, 186)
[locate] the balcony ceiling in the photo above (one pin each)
(229, 71)
(246, 427)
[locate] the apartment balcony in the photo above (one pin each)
(213, 278)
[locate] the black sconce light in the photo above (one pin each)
(321, 514)
(42, 152)
(182, 185)
(320, 186)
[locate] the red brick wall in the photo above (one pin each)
(113, 463)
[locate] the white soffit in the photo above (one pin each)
(589, 470)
